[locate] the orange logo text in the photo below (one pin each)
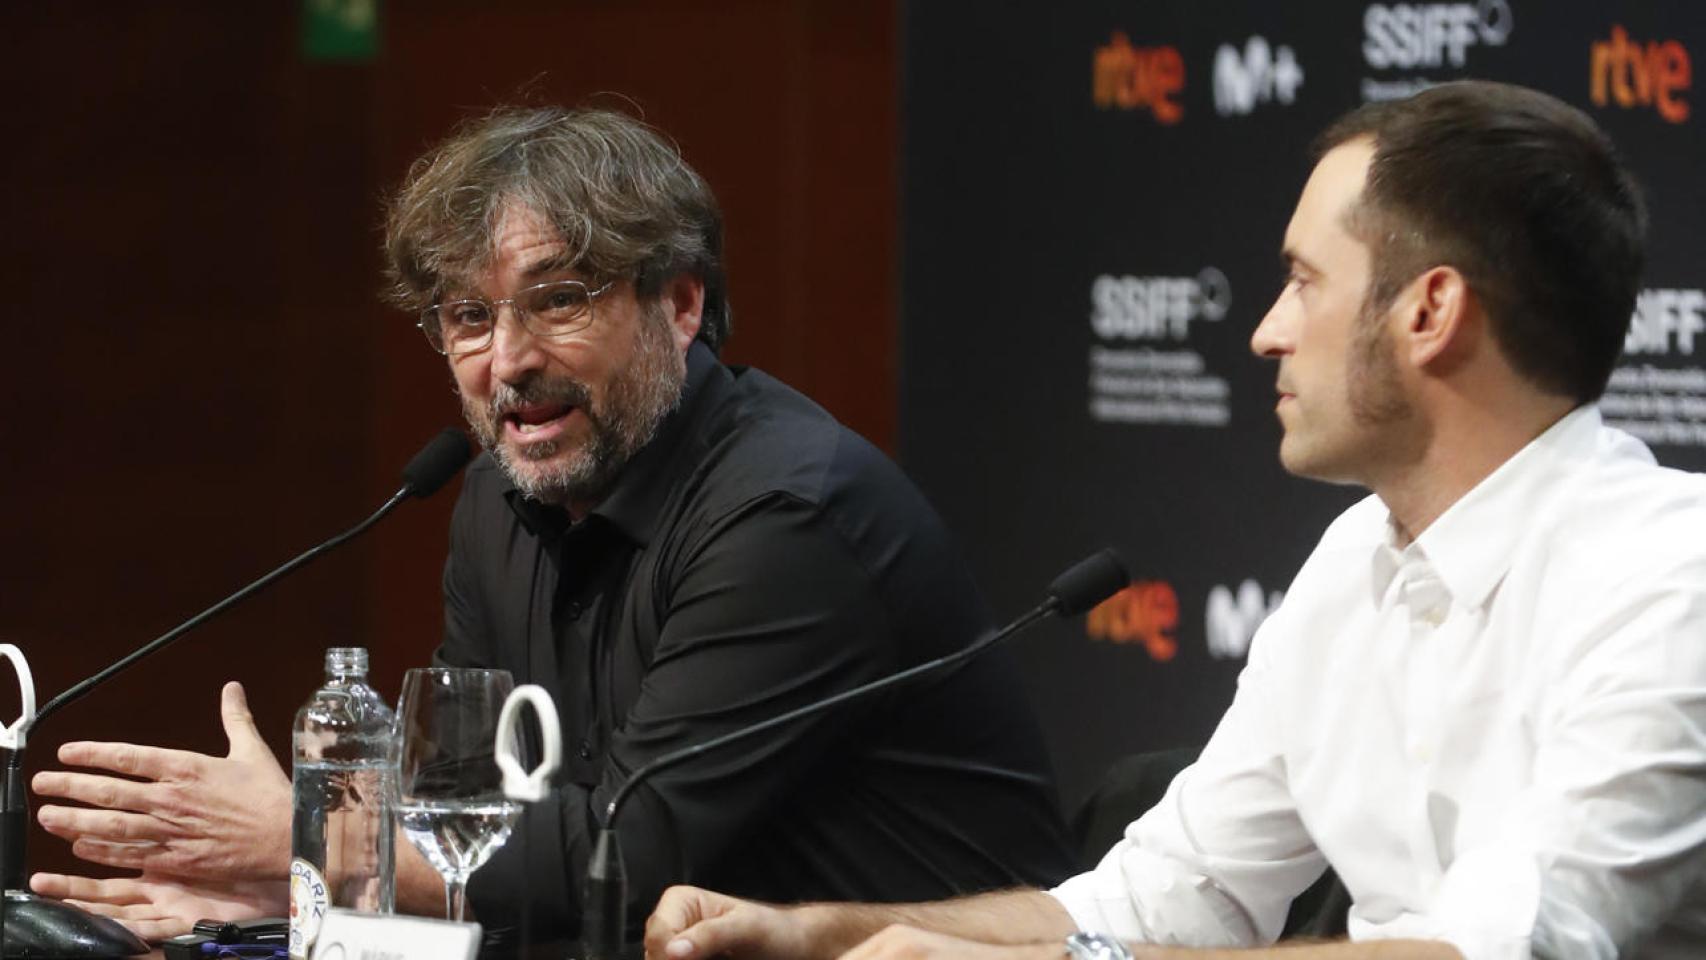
(1651, 75)
(1147, 612)
(1132, 78)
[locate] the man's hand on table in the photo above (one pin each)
(157, 907)
(694, 924)
(207, 833)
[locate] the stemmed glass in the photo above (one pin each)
(449, 800)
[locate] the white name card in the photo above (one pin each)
(347, 935)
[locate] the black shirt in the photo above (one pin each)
(755, 556)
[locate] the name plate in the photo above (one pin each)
(347, 935)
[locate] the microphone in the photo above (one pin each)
(442, 458)
(604, 901)
(38, 927)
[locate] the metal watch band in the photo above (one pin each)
(1095, 946)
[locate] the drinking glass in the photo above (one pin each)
(449, 800)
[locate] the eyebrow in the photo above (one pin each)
(1292, 260)
(561, 260)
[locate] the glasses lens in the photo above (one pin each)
(458, 326)
(555, 309)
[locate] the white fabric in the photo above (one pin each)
(1496, 735)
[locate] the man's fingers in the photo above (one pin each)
(128, 856)
(151, 763)
(240, 729)
(144, 921)
(116, 892)
(678, 909)
(114, 825)
(112, 793)
(727, 934)
(684, 908)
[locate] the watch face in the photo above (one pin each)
(1095, 946)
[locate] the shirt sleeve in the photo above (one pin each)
(1218, 861)
(769, 612)
(1610, 838)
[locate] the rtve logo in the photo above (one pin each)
(1260, 74)
(1150, 308)
(1666, 320)
(1410, 35)
(1146, 612)
(1633, 76)
(1233, 619)
(1125, 77)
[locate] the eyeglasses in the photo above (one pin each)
(548, 310)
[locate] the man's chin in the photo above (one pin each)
(556, 477)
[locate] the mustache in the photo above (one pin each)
(540, 390)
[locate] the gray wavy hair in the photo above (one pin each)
(619, 193)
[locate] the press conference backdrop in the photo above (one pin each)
(1093, 200)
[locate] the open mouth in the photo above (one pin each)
(536, 421)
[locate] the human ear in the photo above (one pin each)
(1435, 315)
(684, 302)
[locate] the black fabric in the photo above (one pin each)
(755, 556)
(1138, 782)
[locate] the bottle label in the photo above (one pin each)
(308, 902)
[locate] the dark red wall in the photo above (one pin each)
(200, 379)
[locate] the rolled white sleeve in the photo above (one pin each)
(1219, 859)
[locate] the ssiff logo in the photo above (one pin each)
(1654, 76)
(1150, 308)
(1125, 77)
(1261, 74)
(1666, 321)
(1146, 612)
(1411, 35)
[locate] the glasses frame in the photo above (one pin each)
(430, 316)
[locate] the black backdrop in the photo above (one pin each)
(1093, 201)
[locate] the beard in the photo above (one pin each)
(624, 419)
(1373, 391)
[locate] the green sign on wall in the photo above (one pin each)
(340, 29)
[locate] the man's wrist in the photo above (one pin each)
(834, 927)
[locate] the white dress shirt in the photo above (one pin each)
(1496, 735)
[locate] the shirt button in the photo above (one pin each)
(574, 610)
(586, 750)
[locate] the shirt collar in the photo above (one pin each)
(645, 483)
(1471, 545)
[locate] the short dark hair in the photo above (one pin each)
(624, 200)
(1527, 198)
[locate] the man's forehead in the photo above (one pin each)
(1331, 193)
(524, 246)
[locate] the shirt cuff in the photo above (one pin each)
(1139, 896)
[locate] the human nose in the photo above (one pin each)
(1273, 336)
(515, 349)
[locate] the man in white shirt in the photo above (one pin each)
(1483, 701)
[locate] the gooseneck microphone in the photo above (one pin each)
(604, 902)
(37, 927)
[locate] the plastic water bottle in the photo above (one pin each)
(341, 826)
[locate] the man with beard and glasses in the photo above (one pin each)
(1483, 700)
(673, 547)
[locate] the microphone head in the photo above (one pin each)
(437, 462)
(1089, 582)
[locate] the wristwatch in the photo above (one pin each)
(1095, 946)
